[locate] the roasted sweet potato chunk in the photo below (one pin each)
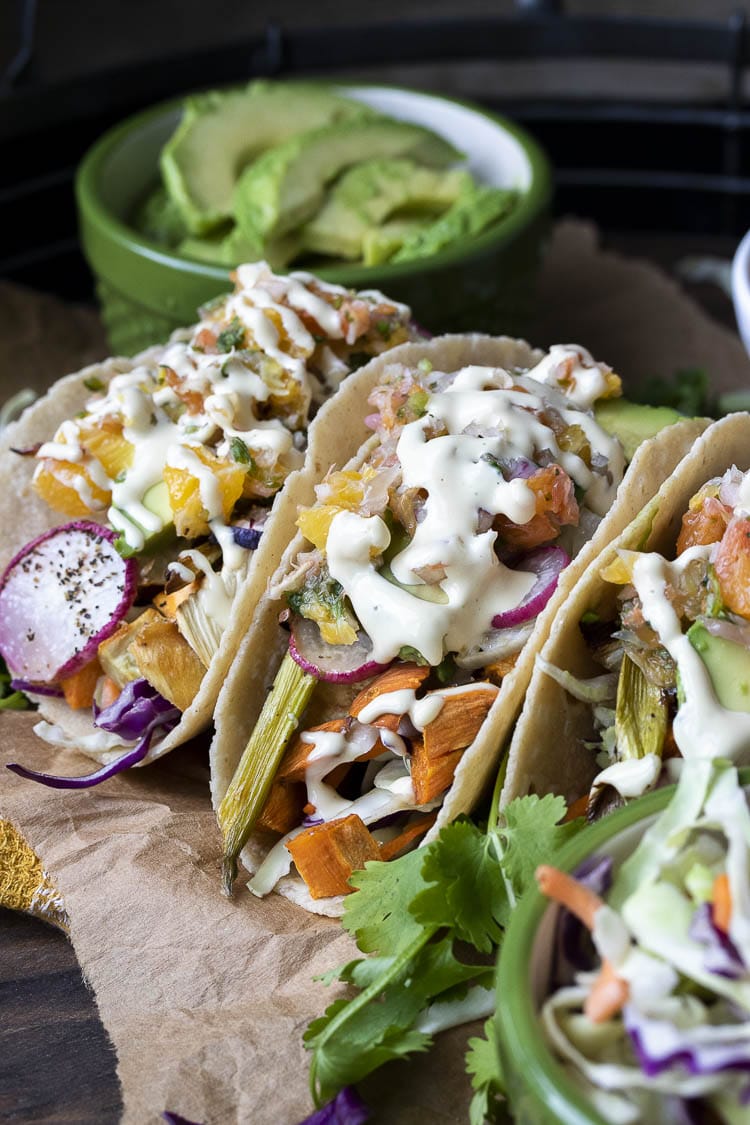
(431, 776)
(457, 725)
(414, 831)
(294, 762)
(327, 854)
(283, 808)
(79, 688)
(399, 677)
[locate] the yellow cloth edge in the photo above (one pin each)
(24, 884)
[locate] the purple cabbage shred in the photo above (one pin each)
(722, 956)
(247, 537)
(347, 1108)
(138, 710)
(659, 1045)
(137, 713)
(175, 1119)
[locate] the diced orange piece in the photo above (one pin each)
(327, 854)
(105, 442)
(431, 776)
(412, 832)
(190, 516)
(67, 487)
(294, 762)
(459, 721)
(732, 564)
(283, 808)
(78, 689)
(398, 677)
(704, 525)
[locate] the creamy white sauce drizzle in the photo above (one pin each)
(702, 727)
(455, 470)
(574, 370)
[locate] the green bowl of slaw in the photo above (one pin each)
(485, 284)
(540, 1089)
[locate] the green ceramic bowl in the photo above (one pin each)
(484, 285)
(539, 1088)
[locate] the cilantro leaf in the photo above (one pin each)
(531, 835)
(378, 915)
(231, 337)
(483, 1067)
(467, 891)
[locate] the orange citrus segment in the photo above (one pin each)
(190, 515)
(68, 488)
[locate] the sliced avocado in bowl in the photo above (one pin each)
(473, 212)
(285, 187)
(369, 193)
(222, 131)
(381, 243)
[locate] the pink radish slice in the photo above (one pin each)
(546, 563)
(336, 664)
(60, 597)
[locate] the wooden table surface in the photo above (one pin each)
(56, 1062)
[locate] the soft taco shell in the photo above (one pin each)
(547, 752)
(339, 428)
(64, 399)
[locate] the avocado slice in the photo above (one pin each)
(234, 248)
(156, 499)
(632, 422)
(368, 193)
(472, 213)
(221, 132)
(381, 243)
(728, 666)
(284, 187)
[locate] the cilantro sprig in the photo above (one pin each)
(432, 923)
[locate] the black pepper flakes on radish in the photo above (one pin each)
(60, 597)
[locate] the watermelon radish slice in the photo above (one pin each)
(60, 597)
(336, 664)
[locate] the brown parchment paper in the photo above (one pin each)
(206, 1000)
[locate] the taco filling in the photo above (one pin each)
(421, 571)
(180, 457)
(678, 649)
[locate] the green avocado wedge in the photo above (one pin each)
(369, 193)
(475, 210)
(632, 422)
(728, 665)
(223, 131)
(284, 187)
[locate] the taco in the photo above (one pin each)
(402, 623)
(649, 662)
(180, 472)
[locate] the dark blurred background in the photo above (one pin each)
(642, 106)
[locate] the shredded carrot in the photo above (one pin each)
(571, 894)
(608, 995)
(722, 903)
(608, 992)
